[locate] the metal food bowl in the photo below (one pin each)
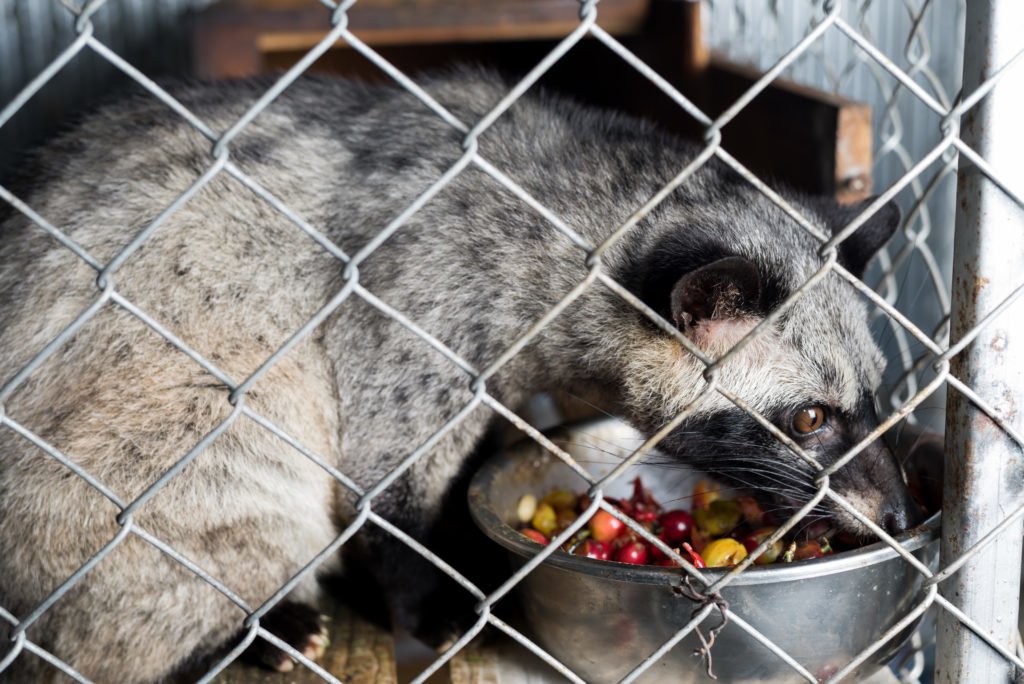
(601, 619)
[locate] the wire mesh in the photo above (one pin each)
(922, 175)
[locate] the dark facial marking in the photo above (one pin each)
(657, 275)
(732, 446)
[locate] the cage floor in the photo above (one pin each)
(361, 652)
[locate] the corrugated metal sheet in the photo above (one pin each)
(32, 32)
(759, 32)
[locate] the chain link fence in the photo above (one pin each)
(928, 36)
(927, 356)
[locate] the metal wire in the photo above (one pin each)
(916, 80)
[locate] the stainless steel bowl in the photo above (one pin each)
(602, 619)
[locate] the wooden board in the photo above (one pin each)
(823, 140)
(233, 39)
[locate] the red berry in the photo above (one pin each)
(591, 548)
(676, 526)
(534, 535)
(604, 526)
(808, 549)
(633, 553)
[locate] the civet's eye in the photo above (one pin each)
(809, 419)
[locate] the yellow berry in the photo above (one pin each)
(723, 552)
(719, 518)
(545, 520)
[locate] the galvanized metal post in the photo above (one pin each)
(985, 468)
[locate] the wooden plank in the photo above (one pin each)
(673, 39)
(231, 38)
(698, 55)
(853, 154)
(225, 51)
(427, 35)
(359, 652)
(815, 141)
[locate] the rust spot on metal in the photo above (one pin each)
(979, 283)
(983, 427)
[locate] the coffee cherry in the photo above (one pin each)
(633, 553)
(751, 511)
(526, 507)
(604, 526)
(754, 539)
(544, 520)
(591, 548)
(807, 549)
(534, 535)
(719, 518)
(675, 526)
(723, 552)
(563, 518)
(699, 536)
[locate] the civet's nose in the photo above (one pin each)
(899, 512)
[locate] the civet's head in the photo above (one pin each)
(813, 373)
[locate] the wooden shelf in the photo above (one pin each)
(233, 39)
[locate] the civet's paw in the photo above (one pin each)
(297, 624)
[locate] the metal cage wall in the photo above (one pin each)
(969, 352)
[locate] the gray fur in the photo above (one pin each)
(233, 279)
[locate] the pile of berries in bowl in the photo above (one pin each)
(717, 532)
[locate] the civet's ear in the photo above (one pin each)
(856, 251)
(716, 304)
